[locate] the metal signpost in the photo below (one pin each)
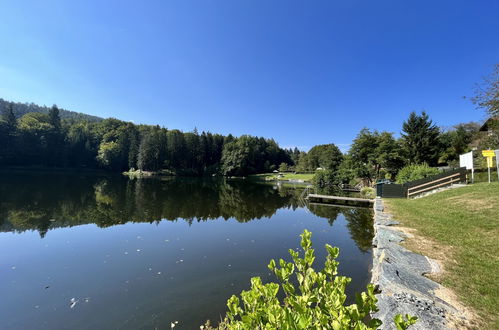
(490, 155)
(497, 163)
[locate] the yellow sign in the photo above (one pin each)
(488, 153)
(489, 161)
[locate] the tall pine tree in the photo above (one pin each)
(8, 135)
(421, 139)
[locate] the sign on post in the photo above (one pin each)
(489, 154)
(466, 160)
(497, 163)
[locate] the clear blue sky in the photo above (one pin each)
(302, 72)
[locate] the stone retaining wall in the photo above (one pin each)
(399, 276)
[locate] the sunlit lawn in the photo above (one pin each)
(284, 177)
(465, 222)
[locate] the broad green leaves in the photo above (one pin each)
(312, 300)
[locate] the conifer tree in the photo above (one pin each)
(10, 119)
(421, 139)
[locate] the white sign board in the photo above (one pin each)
(497, 162)
(466, 160)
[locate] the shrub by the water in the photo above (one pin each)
(326, 178)
(368, 192)
(416, 172)
(313, 300)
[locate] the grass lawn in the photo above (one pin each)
(463, 224)
(285, 176)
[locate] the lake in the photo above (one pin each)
(89, 251)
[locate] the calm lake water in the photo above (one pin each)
(139, 254)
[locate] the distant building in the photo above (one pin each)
(488, 125)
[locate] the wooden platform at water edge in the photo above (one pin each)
(340, 200)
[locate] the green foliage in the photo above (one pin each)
(20, 109)
(152, 150)
(325, 156)
(389, 154)
(249, 155)
(456, 142)
(312, 300)
(303, 164)
(44, 137)
(416, 172)
(108, 154)
(9, 118)
(54, 117)
(420, 139)
(404, 322)
(283, 167)
(8, 135)
(372, 151)
(326, 179)
(368, 192)
(346, 171)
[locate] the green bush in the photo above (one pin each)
(325, 179)
(416, 172)
(312, 300)
(368, 192)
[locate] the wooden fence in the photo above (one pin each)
(414, 188)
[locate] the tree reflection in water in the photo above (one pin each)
(45, 202)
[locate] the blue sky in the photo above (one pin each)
(302, 72)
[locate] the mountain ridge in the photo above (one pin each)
(20, 109)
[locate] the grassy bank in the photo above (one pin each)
(462, 229)
(306, 177)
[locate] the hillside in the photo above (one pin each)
(20, 109)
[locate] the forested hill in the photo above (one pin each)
(44, 138)
(20, 109)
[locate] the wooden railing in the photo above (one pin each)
(347, 187)
(413, 188)
(448, 180)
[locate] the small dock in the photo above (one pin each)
(340, 200)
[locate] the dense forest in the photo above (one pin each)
(20, 109)
(49, 137)
(46, 139)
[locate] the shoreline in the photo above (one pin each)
(402, 287)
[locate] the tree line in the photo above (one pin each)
(377, 155)
(39, 139)
(51, 137)
(20, 109)
(45, 139)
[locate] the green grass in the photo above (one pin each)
(285, 176)
(464, 222)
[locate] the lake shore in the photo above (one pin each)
(459, 227)
(289, 177)
(401, 277)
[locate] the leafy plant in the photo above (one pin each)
(368, 192)
(403, 323)
(312, 300)
(325, 178)
(416, 172)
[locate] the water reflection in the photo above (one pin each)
(42, 203)
(207, 239)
